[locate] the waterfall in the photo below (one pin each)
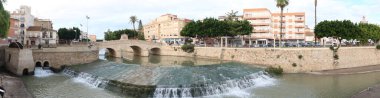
(41, 72)
(196, 90)
(91, 80)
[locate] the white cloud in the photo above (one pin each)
(114, 14)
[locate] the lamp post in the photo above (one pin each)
(87, 29)
(315, 21)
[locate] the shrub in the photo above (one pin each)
(300, 56)
(378, 47)
(294, 65)
(332, 48)
(336, 57)
(274, 71)
(189, 48)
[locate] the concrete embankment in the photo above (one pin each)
(371, 92)
(13, 86)
(292, 60)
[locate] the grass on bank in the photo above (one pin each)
(274, 71)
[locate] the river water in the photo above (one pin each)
(190, 77)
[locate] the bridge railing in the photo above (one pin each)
(134, 42)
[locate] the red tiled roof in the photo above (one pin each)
(34, 28)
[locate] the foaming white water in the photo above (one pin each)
(234, 93)
(234, 87)
(40, 72)
(81, 77)
(102, 54)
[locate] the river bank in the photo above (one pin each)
(370, 92)
(13, 86)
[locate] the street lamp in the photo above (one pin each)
(87, 29)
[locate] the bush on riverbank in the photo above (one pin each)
(378, 47)
(274, 71)
(189, 48)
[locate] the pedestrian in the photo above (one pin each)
(2, 90)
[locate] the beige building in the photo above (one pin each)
(33, 31)
(44, 23)
(92, 38)
(165, 29)
(267, 26)
(37, 35)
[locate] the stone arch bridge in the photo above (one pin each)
(137, 47)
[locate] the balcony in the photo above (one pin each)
(299, 20)
(294, 38)
(299, 32)
(261, 31)
(299, 26)
(258, 17)
(261, 24)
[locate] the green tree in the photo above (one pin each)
(69, 34)
(281, 4)
(338, 29)
(4, 20)
(370, 31)
(211, 27)
(141, 31)
(133, 20)
(140, 26)
(115, 35)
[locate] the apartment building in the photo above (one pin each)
(26, 19)
(165, 29)
(92, 38)
(32, 31)
(14, 29)
(267, 26)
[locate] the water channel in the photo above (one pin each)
(189, 77)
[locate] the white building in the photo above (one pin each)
(36, 35)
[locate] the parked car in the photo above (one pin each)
(270, 45)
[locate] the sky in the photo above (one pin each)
(114, 14)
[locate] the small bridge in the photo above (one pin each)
(139, 48)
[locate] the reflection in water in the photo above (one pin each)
(62, 86)
(316, 86)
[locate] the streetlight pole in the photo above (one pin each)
(87, 29)
(315, 21)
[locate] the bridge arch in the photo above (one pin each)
(25, 71)
(136, 50)
(108, 52)
(155, 51)
(46, 65)
(38, 64)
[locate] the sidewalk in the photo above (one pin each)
(14, 87)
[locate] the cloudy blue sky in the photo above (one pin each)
(114, 14)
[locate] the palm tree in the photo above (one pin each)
(281, 4)
(133, 20)
(231, 15)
